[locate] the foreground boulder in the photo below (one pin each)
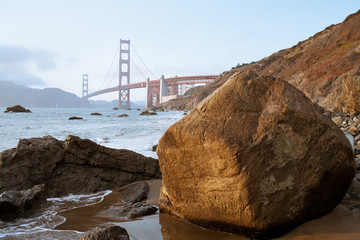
(14, 203)
(17, 109)
(72, 166)
(256, 157)
(106, 232)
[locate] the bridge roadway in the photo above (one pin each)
(156, 83)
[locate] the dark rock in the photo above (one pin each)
(115, 108)
(134, 192)
(106, 232)
(72, 166)
(123, 115)
(146, 112)
(95, 114)
(153, 149)
(257, 158)
(17, 109)
(354, 189)
(139, 210)
(132, 202)
(75, 118)
(14, 203)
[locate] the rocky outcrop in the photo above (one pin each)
(17, 109)
(325, 67)
(95, 114)
(14, 204)
(106, 232)
(123, 115)
(72, 166)
(257, 157)
(146, 112)
(75, 118)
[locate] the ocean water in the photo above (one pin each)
(137, 133)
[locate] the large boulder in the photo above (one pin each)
(72, 166)
(14, 204)
(106, 232)
(256, 157)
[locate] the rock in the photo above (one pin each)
(96, 114)
(256, 157)
(115, 108)
(153, 149)
(75, 118)
(134, 198)
(132, 202)
(357, 176)
(139, 210)
(72, 166)
(106, 232)
(353, 131)
(17, 109)
(357, 161)
(354, 189)
(123, 115)
(134, 192)
(338, 120)
(146, 112)
(14, 203)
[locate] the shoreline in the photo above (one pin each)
(339, 224)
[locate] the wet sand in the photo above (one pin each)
(340, 224)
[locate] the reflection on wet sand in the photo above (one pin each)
(340, 224)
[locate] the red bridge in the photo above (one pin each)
(157, 91)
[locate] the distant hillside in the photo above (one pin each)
(326, 67)
(13, 94)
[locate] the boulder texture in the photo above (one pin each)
(256, 157)
(14, 203)
(72, 166)
(106, 232)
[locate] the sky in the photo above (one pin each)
(48, 43)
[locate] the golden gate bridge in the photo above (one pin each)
(157, 90)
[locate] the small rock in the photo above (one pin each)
(153, 149)
(139, 210)
(123, 115)
(353, 131)
(106, 232)
(148, 113)
(96, 114)
(17, 109)
(354, 189)
(75, 118)
(337, 120)
(115, 108)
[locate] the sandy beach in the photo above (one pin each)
(340, 224)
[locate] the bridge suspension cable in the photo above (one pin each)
(137, 54)
(112, 63)
(137, 67)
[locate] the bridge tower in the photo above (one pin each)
(124, 73)
(85, 85)
(85, 90)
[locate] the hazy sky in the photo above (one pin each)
(48, 43)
